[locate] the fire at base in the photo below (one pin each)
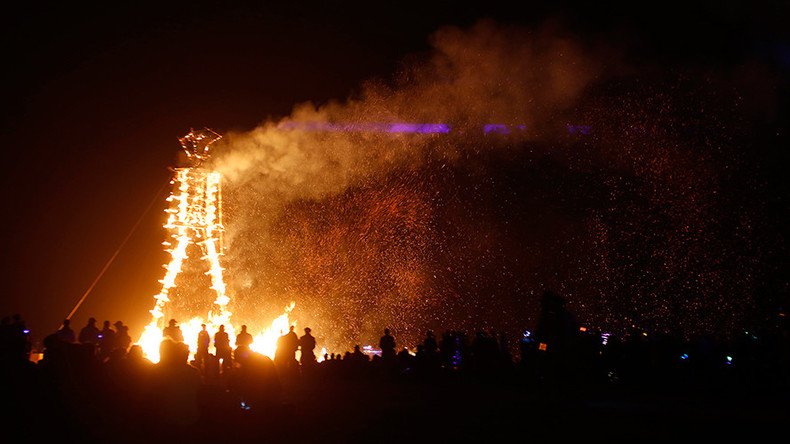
(195, 217)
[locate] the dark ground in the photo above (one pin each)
(451, 411)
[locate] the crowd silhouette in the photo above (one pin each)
(91, 385)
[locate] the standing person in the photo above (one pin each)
(286, 349)
(243, 342)
(15, 339)
(65, 333)
(307, 345)
(173, 332)
(174, 390)
(122, 338)
(430, 344)
(106, 340)
(222, 347)
(387, 345)
(89, 333)
(243, 339)
(291, 343)
(203, 341)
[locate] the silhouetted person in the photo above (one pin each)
(287, 345)
(243, 342)
(106, 340)
(211, 370)
(450, 350)
(65, 333)
(356, 362)
(291, 342)
(55, 351)
(134, 374)
(134, 370)
(173, 331)
(122, 338)
(222, 347)
(556, 325)
(387, 345)
(256, 382)
(90, 333)
(15, 343)
(243, 339)
(307, 345)
(175, 387)
(358, 356)
(405, 361)
(203, 341)
(430, 344)
(135, 357)
(485, 353)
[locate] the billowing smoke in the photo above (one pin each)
(522, 175)
(486, 75)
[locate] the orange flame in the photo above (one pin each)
(195, 213)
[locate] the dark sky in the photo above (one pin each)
(95, 97)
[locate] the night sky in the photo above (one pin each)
(666, 205)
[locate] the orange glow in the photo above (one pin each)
(264, 342)
(543, 346)
(195, 217)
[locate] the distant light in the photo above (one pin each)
(527, 333)
(684, 356)
(100, 336)
(728, 360)
(543, 346)
(644, 333)
(456, 359)
(605, 338)
(420, 128)
(369, 350)
(582, 328)
(25, 331)
(496, 128)
(579, 129)
(410, 127)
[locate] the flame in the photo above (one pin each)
(265, 342)
(195, 216)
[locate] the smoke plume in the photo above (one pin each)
(367, 220)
